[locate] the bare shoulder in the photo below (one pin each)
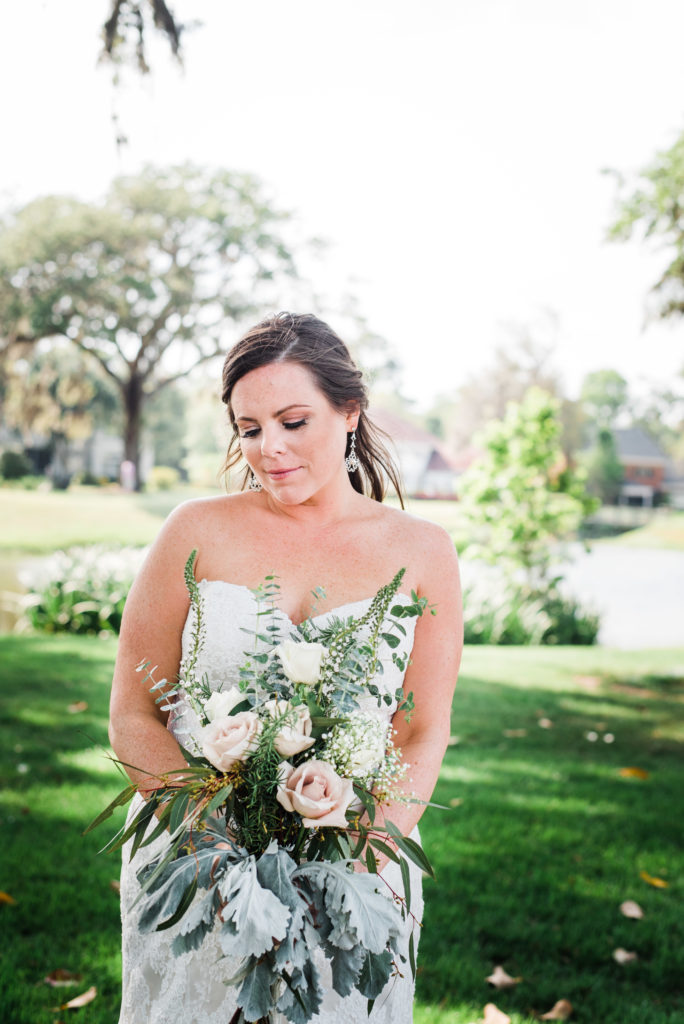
(199, 524)
(428, 546)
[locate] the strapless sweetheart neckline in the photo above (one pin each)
(311, 618)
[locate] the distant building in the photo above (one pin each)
(427, 469)
(644, 466)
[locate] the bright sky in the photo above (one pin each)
(450, 150)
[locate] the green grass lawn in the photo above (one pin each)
(664, 531)
(545, 842)
(38, 522)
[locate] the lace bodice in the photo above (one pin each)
(160, 988)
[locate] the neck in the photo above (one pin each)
(331, 505)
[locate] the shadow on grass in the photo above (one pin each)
(547, 840)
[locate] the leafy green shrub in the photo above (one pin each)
(14, 465)
(88, 479)
(26, 483)
(500, 613)
(162, 478)
(82, 590)
(569, 623)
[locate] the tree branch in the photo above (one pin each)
(183, 373)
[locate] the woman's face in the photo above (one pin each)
(290, 435)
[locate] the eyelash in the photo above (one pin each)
(288, 426)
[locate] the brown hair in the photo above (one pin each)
(304, 339)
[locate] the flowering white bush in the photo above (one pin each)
(82, 590)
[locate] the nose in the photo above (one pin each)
(272, 441)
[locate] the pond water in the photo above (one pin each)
(639, 593)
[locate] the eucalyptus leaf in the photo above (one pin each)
(406, 879)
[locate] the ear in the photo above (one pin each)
(352, 415)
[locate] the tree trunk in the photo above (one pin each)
(132, 401)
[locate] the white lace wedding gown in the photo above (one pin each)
(160, 988)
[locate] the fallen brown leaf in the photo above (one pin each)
(493, 1015)
(499, 978)
(559, 1011)
(454, 741)
(634, 773)
(77, 707)
(77, 1001)
(545, 723)
(115, 884)
(624, 956)
(514, 733)
(456, 801)
(591, 683)
(657, 883)
(6, 898)
(60, 978)
(631, 909)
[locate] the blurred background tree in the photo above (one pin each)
(521, 498)
(54, 395)
(651, 206)
(147, 282)
(525, 361)
(127, 29)
(603, 467)
(604, 395)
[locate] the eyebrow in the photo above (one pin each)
(295, 405)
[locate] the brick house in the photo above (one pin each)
(644, 465)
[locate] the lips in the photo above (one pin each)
(281, 474)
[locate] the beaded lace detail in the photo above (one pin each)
(161, 988)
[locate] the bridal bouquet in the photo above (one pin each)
(286, 766)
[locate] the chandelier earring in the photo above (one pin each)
(254, 484)
(352, 460)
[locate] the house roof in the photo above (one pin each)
(636, 443)
(438, 462)
(402, 431)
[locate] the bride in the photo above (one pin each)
(311, 514)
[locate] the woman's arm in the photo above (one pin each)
(151, 629)
(431, 677)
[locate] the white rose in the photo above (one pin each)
(294, 735)
(301, 661)
(222, 702)
(225, 741)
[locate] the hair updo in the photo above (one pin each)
(308, 341)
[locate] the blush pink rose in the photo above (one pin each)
(225, 741)
(295, 735)
(315, 791)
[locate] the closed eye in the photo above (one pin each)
(294, 425)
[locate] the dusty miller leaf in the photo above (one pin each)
(358, 911)
(375, 973)
(253, 917)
